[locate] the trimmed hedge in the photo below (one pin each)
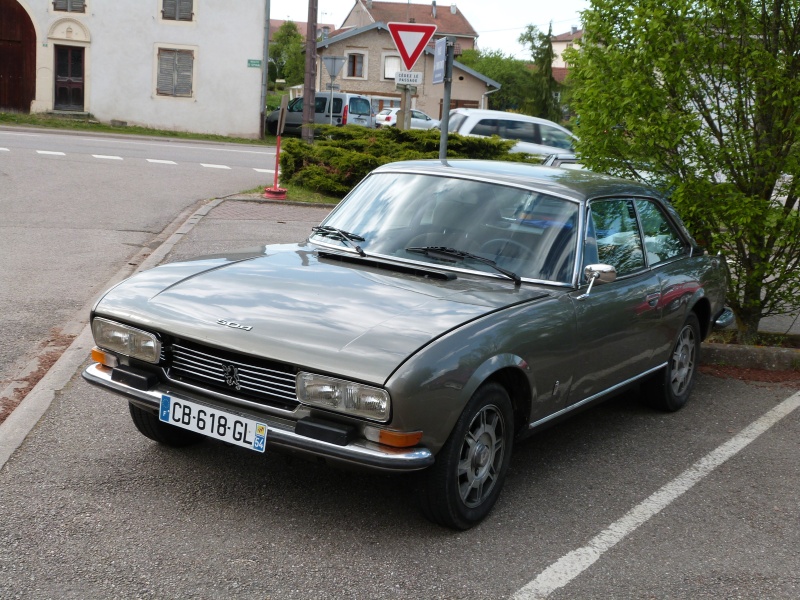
(340, 157)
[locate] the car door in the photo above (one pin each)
(617, 323)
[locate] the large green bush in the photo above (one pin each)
(340, 157)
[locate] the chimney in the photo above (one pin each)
(369, 4)
(433, 9)
(453, 9)
(574, 29)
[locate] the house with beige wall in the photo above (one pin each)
(372, 59)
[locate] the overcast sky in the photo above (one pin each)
(499, 23)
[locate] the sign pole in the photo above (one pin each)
(448, 84)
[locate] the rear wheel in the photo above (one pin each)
(462, 486)
(670, 388)
(149, 426)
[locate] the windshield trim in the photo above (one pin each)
(377, 257)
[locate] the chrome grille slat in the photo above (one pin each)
(264, 383)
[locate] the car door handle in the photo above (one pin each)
(652, 299)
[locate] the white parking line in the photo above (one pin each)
(50, 153)
(161, 162)
(214, 166)
(106, 157)
(569, 566)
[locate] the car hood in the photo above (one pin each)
(290, 304)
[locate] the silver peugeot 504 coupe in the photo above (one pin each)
(441, 313)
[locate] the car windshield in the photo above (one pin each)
(531, 234)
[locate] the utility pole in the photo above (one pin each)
(309, 90)
(265, 72)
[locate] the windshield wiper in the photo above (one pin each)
(349, 238)
(449, 254)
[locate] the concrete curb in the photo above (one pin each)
(751, 357)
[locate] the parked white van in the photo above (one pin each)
(348, 109)
(532, 134)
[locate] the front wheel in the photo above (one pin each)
(149, 426)
(462, 486)
(670, 388)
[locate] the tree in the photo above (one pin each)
(544, 90)
(286, 53)
(702, 98)
(513, 75)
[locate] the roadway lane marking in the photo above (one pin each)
(161, 162)
(214, 166)
(4, 150)
(50, 153)
(569, 566)
(264, 170)
(106, 157)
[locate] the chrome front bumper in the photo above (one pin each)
(281, 435)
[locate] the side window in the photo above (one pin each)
(391, 65)
(320, 102)
(337, 106)
(175, 72)
(661, 240)
(295, 105)
(518, 130)
(355, 65)
(177, 10)
(555, 137)
(618, 241)
(487, 127)
(360, 106)
(69, 5)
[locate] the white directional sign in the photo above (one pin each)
(411, 39)
(408, 78)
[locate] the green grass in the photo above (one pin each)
(295, 193)
(82, 123)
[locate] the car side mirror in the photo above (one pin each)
(600, 273)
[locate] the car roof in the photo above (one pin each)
(501, 114)
(576, 185)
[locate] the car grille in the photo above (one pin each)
(233, 374)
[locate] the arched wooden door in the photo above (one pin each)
(17, 57)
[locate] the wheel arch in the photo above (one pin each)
(518, 388)
(702, 308)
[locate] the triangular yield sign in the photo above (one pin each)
(410, 39)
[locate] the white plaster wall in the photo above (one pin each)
(120, 61)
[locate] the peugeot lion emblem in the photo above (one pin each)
(232, 376)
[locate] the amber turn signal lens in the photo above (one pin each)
(398, 439)
(104, 358)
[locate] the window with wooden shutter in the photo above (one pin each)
(177, 10)
(175, 72)
(70, 5)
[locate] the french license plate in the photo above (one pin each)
(214, 423)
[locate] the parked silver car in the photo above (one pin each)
(532, 134)
(337, 108)
(437, 316)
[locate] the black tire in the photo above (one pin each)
(462, 486)
(272, 127)
(670, 388)
(149, 426)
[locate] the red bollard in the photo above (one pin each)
(276, 193)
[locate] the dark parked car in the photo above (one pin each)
(440, 314)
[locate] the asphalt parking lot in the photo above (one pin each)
(618, 502)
